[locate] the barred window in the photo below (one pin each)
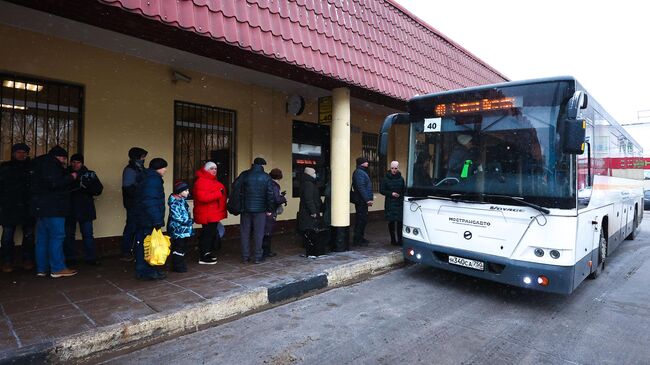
(203, 133)
(39, 113)
(369, 143)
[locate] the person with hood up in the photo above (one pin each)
(50, 204)
(179, 225)
(392, 187)
(149, 214)
(209, 209)
(130, 174)
(14, 207)
(362, 199)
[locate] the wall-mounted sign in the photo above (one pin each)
(325, 110)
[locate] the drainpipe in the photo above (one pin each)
(340, 167)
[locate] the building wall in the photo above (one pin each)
(129, 102)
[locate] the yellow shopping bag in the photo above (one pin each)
(156, 248)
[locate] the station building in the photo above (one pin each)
(297, 82)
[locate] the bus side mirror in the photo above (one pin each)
(574, 136)
(397, 118)
(578, 101)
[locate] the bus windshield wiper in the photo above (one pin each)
(465, 197)
(521, 201)
(416, 198)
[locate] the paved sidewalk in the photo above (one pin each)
(38, 313)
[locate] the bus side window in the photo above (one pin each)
(585, 175)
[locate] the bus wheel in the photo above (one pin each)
(635, 225)
(602, 254)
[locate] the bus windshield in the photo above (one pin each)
(496, 142)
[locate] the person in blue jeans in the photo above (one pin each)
(84, 191)
(149, 214)
(50, 204)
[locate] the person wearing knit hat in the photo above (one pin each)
(130, 175)
(15, 197)
(209, 209)
(149, 214)
(20, 147)
(51, 204)
(179, 224)
(362, 160)
(310, 171)
(158, 164)
(83, 194)
(392, 187)
(362, 198)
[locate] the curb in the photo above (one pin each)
(156, 327)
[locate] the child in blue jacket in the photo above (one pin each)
(179, 224)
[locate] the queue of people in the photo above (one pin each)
(48, 200)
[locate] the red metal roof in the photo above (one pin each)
(373, 44)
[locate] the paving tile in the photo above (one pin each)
(114, 309)
(33, 303)
(156, 289)
(59, 313)
(48, 329)
(173, 301)
(101, 289)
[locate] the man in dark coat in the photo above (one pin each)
(257, 204)
(310, 203)
(149, 214)
(392, 187)
(14, 207)
(130, 175)
(50, 204)
(84, 191)
(362, 199)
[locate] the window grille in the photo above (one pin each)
(203, 133)
(39, 113)
(370, 142)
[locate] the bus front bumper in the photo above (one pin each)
(503, 270)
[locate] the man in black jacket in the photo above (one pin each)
(257, 204)
(130, 175)
(50, 204)
(363, 198)
(149, 213)
(14, 207)
(84, 191)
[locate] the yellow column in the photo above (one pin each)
(340, 166)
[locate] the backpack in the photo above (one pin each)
(234, 204)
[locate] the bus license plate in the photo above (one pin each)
(472, 264)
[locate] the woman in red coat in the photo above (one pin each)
(209, 208)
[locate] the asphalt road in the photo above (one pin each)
(427, 316)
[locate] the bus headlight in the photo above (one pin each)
(539, 252)
(407, 229)
(555, 254)
(415, 231)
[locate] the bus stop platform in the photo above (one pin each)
(105, 309)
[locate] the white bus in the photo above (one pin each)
(504, 183)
